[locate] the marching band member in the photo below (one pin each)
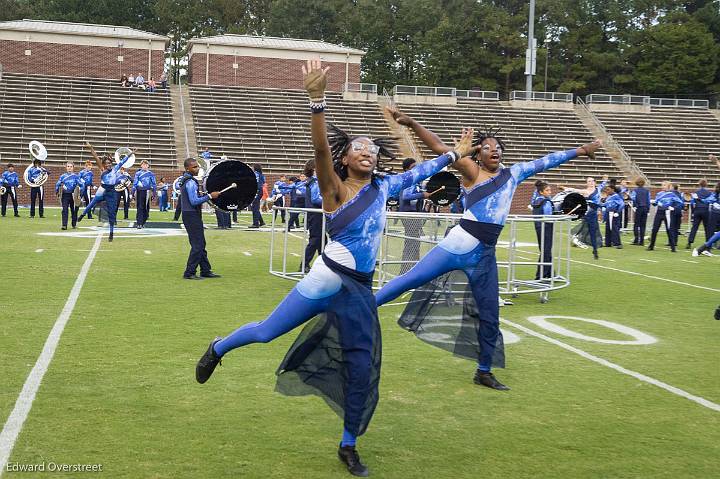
(65, 187)
(124, 195)
(10, 181)
(313, 220)
(678, 212)
(36, 192)
(591, 192)
(163, 202)
(705, 248)
(297, 199)
(700, 203)
(666, 201)
(110, 177)
(411, 200)
(627, 202)
(192, 219)
(255, 205)
(339, 283)
(143, 183)
(86, 178)
(613, 205)
(641, 204)
(542, 206)
(278, 196)
(470, 246)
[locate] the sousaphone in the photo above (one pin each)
(121, 153)
(39, 152)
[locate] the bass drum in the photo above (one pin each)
(222, 175)
(450, 188)
(573, 204)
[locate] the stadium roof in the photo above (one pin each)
(68, 28)
(276, 43)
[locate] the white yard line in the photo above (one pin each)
(147, 251)
(697, 399)
(649, 276)
(13, 425)
(247, 253)
(648, 260)
(40, 250)
(689, 261)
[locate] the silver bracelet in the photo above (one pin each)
(318, 106)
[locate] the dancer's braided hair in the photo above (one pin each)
(482, 134)
(340, 141)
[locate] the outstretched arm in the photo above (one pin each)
(98, 162)
(530, 168)
(330, 183)
(466, 166)
(428, 168)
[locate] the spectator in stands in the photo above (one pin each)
(124, 81)
(131, 81)
(151, 85)
(255, 205)
(140, 81)
(163, 80)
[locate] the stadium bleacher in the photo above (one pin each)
(272, 126)
(668, 144)
(528, 133)
(64, 112)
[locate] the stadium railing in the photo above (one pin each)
(361, 87)
(618, 99)
(679, 103)
(541, 96)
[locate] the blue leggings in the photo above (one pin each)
(713, 239)
(480, 266)
(293, 311)
(99, 196)
(591, 219)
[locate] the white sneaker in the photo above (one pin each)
(707, 253)
(695, 252)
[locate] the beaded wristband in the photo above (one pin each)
(318, 106)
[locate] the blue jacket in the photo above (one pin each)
(69, 182)
(86, 177)
(666, 199)
(313, 198)
(640, 197)
(702, 199)
(10, 178)
(410, 198)
(144, 180)
(190, 199)
(614, 203)
(34, 172)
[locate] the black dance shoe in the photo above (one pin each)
(595, 254)
(110, 238)
(191, 276)
(488, 380)
(207, 363)
(80, 218)
(350, 457)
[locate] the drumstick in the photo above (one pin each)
(234, 185)
(572, 210)
(439, 189)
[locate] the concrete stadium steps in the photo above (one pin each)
(64, 112)
(528, 134)
(271, 126)
(668, 144)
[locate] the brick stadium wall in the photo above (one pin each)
(264, 72)
(77, 60)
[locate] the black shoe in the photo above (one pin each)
(350, 457)
(207, 363)
(191, 276)
(489, 380)
(80, 218)
(650, 248)
(41, 216)
(619, 247)
(210, 274)
(64, 228)
(17, 215)
(110, 238)
(595, 254)
(717, 313)
(688, 246)
(254, 226)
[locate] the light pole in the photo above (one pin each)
(530, 52)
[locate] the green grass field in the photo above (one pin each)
(120, 390)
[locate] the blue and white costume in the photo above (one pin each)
(613, 206)
(67, 184)
(144, 183)
(470, 247)
(667, 202)
(338, 284)
(9, 179)
(86, 178)
(37, 193)
(108, 180)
